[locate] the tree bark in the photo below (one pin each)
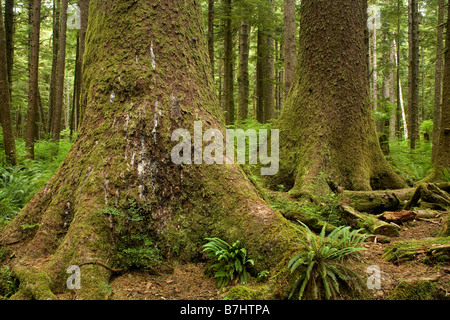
(438, 79)
(211, 34)
(442, 160)
(327, 125)
(60, 71)
(243, 76)
(290, 44)
(138, 60)
(55, 46)
(228, 79)
(84, 19)
(392, 86)
(5, 111)
(34, 78)
(413, 74)
(9, 31)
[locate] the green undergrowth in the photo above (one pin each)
(315, 212)
(413, 165)
(135, 245)
(20, 183)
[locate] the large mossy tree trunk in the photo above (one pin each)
(327, 124)
(146, 74)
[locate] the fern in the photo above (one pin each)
(320, 265)
(231, 262)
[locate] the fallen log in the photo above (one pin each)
(429, 193)
(378, 201)
(370, 223)
(398, 217)
(428, 249)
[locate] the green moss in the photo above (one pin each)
(429, 249)
(247, 293)
(34, 284)
(421, 290)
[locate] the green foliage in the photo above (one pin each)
(138, 251)
(445, 176)
(319, 264)
(8, 285)
(231, 262)
(20, 183)
(324, 207)
(426, 127)
(135, 247)
(413, 165)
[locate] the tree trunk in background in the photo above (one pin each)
(438, 79)
(34, 78)
(243, 77)
(84, 17)
(259, 87)
(375, 71)
(383, 125)
(315, 134)
(265, 65)
(228, 78)
(268, 69)
(60, 69)
(401, 114)
(290, 44)
(122, 153)
(76, 91)
(392, 86)
(9, 31)
(211, 34)
(5, 110)
(399, 83)
(413, 74)
(55, 46)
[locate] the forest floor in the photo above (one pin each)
(188, 282)
(411, 271)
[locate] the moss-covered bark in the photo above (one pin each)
(146, 73)
(327, 124)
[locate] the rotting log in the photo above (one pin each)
(429, 193)
(370, 223)
(378, 201)
(398, 217)
(428, 249)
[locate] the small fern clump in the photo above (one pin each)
(319, 266)
(231, 262)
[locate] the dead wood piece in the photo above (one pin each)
(399, 216)
(429, 193)
(427, 214)
(378, 201)
(370, 223)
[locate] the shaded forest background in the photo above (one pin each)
(253, 66)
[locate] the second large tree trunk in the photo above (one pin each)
(327, 124)
(146, 74)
